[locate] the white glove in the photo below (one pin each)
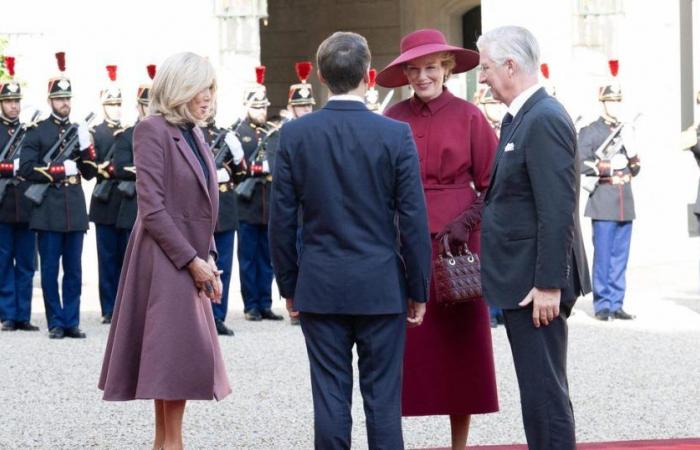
(16, 167)
(83, 135)
(618, 162)
(235, 146)
(628, 135)
(265, 167)
(70, 167)
(222, 176)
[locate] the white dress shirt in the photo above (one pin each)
(518, 102)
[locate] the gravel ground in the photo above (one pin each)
(635, 380)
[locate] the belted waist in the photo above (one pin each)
(440, 187)
(616, 179)
(71, 180)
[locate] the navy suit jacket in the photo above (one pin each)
(365, 243)
(530, 227)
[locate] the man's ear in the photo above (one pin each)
(320, 77)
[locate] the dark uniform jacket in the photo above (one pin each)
(124, 174)
(228, 202)
(63, 208)
(608, 201)
(696, 151)
(15, 206)
(256, 210)
(105, 212)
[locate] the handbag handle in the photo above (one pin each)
(448, 251)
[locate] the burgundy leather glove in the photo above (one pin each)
(458, 230)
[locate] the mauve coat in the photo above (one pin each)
(163, 343)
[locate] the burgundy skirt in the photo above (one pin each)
(448, 364)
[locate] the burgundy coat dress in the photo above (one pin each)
(163, 343)
(448, 364)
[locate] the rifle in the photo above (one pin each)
(104, 187)
(37, 192)
(11, 151)
(219, 142)
(246, 188)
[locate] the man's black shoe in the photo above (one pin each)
(253, 315)
(603, 314)
(622, 315)
(74, 332)
(27, 326)
(56, 333)
(9, 325)
(107, 319)
(269, 315)
(222, 329)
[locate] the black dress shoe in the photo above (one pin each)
(622, 315)
(107, 319)
(27, 326)
(222, 329)
(269, 315)
(56, 333)
(9, 325)
(604, 315)
(253, 315)
(74, 332)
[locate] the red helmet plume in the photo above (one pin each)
(372, 78)
(544, 68)
(112, 72)
(614, 66)
(61, 61)
(151, 69)
(260, 74)
(303, 70)
(10, 65)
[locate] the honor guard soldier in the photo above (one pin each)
(17, 241)
(230, 168)
(259, 140)
(105, 201)
(608, 165)
(123, 161)
(301, 95)
(56, 155)
(372, 94)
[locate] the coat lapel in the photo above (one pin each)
(209, 161)
(188, 154)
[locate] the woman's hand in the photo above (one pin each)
(204, 276)
(217, 286)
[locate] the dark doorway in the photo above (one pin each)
(471, 30)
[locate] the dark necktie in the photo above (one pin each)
(506, 121)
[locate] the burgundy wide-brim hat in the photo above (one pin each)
(421, 43)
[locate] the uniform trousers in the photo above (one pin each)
(380, 346)
(66, 248)
(224, 247)
(539, 357)
(255, 266)
(17, 250)
(611, 243)
(111, 246)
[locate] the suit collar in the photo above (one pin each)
(345, 105)
(519, 101)
(188, 154)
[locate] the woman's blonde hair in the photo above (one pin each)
(179, 79)
(447, 61)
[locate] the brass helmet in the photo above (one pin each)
(10, 89)
(611, 92)
(301, 94)
(60, 86)
(111, 94)
(372, 94)
(143, 95)
(256, 96)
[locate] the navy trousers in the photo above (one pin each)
(611, 243)
(66, 248)
(111, 246)
(380, 346)
(224, 246)
(539, 356)
(254, 266)
(17, 249)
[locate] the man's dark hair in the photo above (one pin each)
(343, 60)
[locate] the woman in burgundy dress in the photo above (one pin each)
(448, 364)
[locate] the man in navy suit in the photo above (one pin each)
(362, 275)
(533, 262)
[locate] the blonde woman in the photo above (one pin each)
(162, 343)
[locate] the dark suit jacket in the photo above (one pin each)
(355, 175)
(530, 226)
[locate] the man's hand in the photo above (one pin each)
(71, 168)
(545, 305)
(290, 308)
(84, 135)
(235, 146)
(416, 312)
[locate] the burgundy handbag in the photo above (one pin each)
(457, 278)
